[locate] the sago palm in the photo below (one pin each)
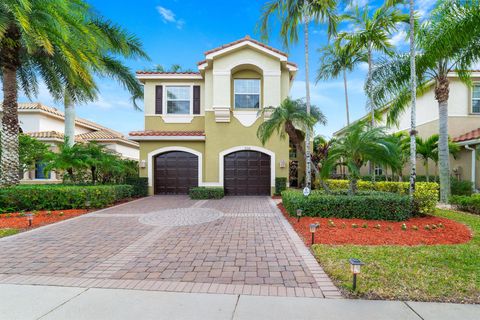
(293, 14)
(286, 119)
(359, 144)
(337, 59)
(448, 43)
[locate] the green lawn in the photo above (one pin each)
(425, 273)
(7, 232)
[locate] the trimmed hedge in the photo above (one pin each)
(426, 193)
(280, 185)
(469, 204)
(140, 186)
(364, 205)
(461, 187)
(199, 193)
(60, 197)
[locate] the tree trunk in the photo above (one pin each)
(441, 95)
(10, 62)
(371, 106)
(69, 121)
(346, 95)
(413, 111)
(353, 185)
(427, 171)
(308, 164)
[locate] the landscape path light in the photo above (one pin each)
(313, 229)
(299, 214)
(355, 267)
(29, 219)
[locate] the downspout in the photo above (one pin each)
(473, 176)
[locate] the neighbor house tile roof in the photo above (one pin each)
(246, 38)
(50, 135)
(156, 133)
(105, 135)
(472, 135)
(163, 72)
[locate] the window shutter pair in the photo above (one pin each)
(159, 99)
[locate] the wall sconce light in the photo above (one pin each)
(355, 267)
(143, 164)
(282, 164)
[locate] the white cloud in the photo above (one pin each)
(424, 8)
(168, 16)
(354, 3)
(399, 38)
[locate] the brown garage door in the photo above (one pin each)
(247, 173)
(175, 172)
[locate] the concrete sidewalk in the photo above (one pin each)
(27, 302)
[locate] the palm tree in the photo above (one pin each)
(287, 119)
(413, 102)
(336, 59)
(57, 41)
(372, 34)
(292, 14)
(426, 150)
(359, 144)
(448, 42)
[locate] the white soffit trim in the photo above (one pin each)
(177, 119)
(246, 118)
(168, 76)
(167, 138)
(243, 44)
(153, 153)
(222, 154)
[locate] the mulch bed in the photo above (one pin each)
(40, 218)
(430, 230)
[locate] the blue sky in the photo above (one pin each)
(180, 31)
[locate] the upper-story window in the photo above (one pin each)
(178, 99)
(476, 98)
(246, 93)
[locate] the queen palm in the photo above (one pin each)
(61, 42)
(339, 58)
(288, 119)
(426, 151)
(448, 43)
(292, 14)
(359, 144)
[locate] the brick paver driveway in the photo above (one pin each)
(237, 245)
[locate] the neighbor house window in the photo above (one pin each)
(378, 171)
(40, 171)
(293, 150)
(178, 99)
(476, 98)
(246, 93)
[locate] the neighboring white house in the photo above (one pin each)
(463, 126)
(47, 125)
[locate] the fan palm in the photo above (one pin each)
(292, 14)
(287, 119)
(64, 43)
(360, 143)
(448, 42)
(339, 58)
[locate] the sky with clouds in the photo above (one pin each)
(180, 31)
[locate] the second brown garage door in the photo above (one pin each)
(247, 173)
(175, 172)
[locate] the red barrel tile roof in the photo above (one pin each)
(156, 133)
(474, 134)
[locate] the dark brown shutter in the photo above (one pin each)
(196, 99)
(158, 99)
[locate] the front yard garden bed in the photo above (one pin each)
(446, 273)
(428, 230)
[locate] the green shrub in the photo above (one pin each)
(425, 197)
(280, 185)
(364, 205)
(198, 193)
(140, 186)
(60, 197)
(465, 203)
(461, 187)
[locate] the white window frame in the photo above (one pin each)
(475, 84)
(378, 170)
(165, 101)
(259, 94)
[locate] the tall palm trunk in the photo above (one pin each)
(427, 171)
(371, 106)
(69, 120)
(413, 111)
(10, 60)
(308, 164)
(441, 95)
(346, 95)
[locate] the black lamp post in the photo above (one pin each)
(355, 266)
(299, 214)
(313, 229)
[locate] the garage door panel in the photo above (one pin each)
(247, 173)
(175, 172)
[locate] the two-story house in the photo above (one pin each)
(463, 127)
(201, 127)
